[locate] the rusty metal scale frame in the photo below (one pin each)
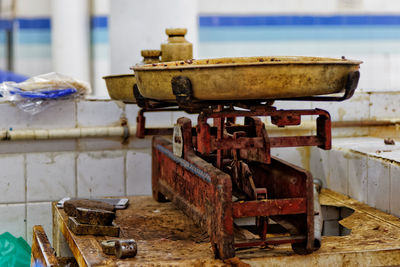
(192, 175)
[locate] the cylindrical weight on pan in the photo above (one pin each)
(125, 248)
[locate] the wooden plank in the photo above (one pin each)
(42, 252)
(88, 229)
(165, 236)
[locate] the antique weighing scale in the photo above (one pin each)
(223, 171)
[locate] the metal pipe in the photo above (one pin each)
(365, 123)
(67, 133)
(126, 131)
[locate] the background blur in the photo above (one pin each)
(32, 32)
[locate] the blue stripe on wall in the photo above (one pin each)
(99, 22)
(36, 23)
(45, 23)
(218, 21)
(5, 24)
(299, 33)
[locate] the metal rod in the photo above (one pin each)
(364, 123)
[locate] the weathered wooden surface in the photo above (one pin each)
(166, 237)
(42, 252)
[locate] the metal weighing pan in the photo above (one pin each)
(246, 78)
(120, 87)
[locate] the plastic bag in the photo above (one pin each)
(14, 251)
(39, 92)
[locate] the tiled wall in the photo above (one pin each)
(34, 173)
(363, 168)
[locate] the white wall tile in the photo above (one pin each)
(101, 174)
(138, 172)
(292, 155)
(365, 145)
(354, 142)
(292, 104)
(394, 62)
(12, 178)
(138, 143)
(158, 119)
(12, 219)
(50, 176)
(99, 113)
(338, 171)
(131, 111)
(378, 184)
(93, 144)
(319, 164)
(395, 189)
(358, 176)
(37, 146)
(385, 105)
(39, 214)
(350, 132)
(59, 115)
(356, 108)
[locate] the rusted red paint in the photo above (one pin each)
(269, 207)
(197, 184)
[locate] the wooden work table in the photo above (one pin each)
(166, 237)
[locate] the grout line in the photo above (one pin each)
(390, 188)
(125, 174)
(76, 113)
(369, 111)
(26, 197)
(76, 155)
(367, 166)
(369, 106)
(347, 177)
